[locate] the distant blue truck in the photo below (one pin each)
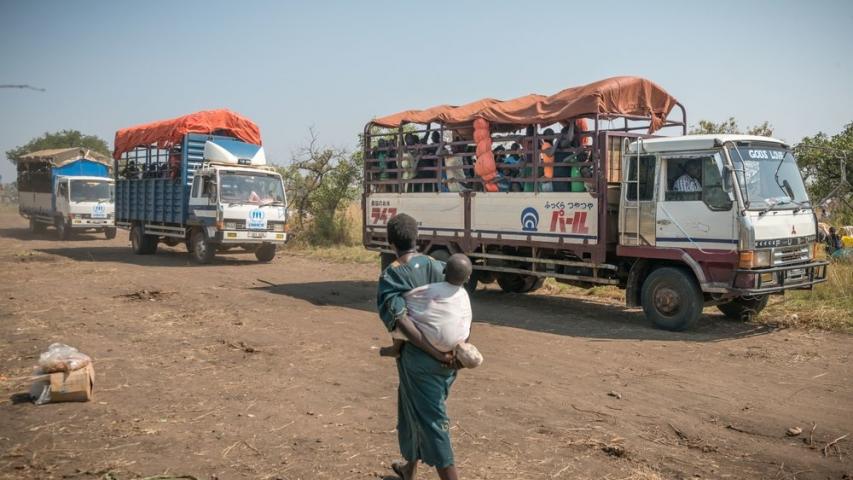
(211, 191)
(67, 188)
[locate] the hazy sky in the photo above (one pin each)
(334, 65)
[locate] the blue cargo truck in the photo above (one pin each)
(210, 190)
(67, 188)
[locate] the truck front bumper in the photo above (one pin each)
(226, 237)
(777, 279)
(84, 223)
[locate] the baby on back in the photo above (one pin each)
(442, 313)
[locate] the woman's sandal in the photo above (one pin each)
(398, 469)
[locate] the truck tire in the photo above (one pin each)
(140, 243)
(517, 283)
(36, 227)
(265, 253)
(110, 233)
(744, 308)
(202, 252)
(440, 254)
(63, 230)
(671, 298)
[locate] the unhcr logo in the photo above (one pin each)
(529, 219)
(256, 214)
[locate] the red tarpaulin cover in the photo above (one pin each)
(166, 133)
(632, 96)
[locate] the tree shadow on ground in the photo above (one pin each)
(558, 315)
(48, 235)
(165, 257)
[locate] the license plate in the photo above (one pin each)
(257, 234)
(796, 273)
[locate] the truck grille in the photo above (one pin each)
(788, 255)
(241, 225)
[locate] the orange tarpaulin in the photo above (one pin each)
(617, 96)
(166, 133)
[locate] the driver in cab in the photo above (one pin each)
(689, 180)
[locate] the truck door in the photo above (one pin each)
(694, 210)
(637, 208)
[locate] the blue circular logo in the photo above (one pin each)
(529, 219)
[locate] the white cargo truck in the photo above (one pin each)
(69, 189)
(565, 186)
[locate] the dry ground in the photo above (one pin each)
(240, 370)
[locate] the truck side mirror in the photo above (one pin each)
(211, 191)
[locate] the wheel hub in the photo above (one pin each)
(667, 300)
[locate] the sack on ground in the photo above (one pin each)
(62, 358)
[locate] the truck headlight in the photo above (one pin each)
(278, 227)
(230, 225)
(754, 258)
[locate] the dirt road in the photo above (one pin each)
(242, 370)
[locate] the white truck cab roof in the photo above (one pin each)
(77, 177)
(695, 142)
(259, 170)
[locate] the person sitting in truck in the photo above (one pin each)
(409, 162)
(689, 180)
(546, 156)
(454, 171)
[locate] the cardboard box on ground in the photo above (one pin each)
(64, 375)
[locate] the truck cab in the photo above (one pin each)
(237, 206)
(85, 203)
(732, 210)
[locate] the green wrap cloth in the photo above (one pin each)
(423, 428)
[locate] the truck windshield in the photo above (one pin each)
(91, 191)
(259, 189)
(768, 178)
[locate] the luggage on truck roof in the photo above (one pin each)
(166, 133)
(62, 156)
(627, 97)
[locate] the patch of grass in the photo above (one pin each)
(829, 306)
(337, 254)
(643, 473)
(602, 291)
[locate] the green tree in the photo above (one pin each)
(60, 139)
(820, 158)
(730, 126)
(321, 183)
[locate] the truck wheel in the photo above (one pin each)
(140, 243)
(203, 252)
(671, 298)
(110, 233)
(63, 230)
(265, 253)
(517, 283)
(36, 226)
(744, 308)
(440, 254)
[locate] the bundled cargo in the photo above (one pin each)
(64, 374)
